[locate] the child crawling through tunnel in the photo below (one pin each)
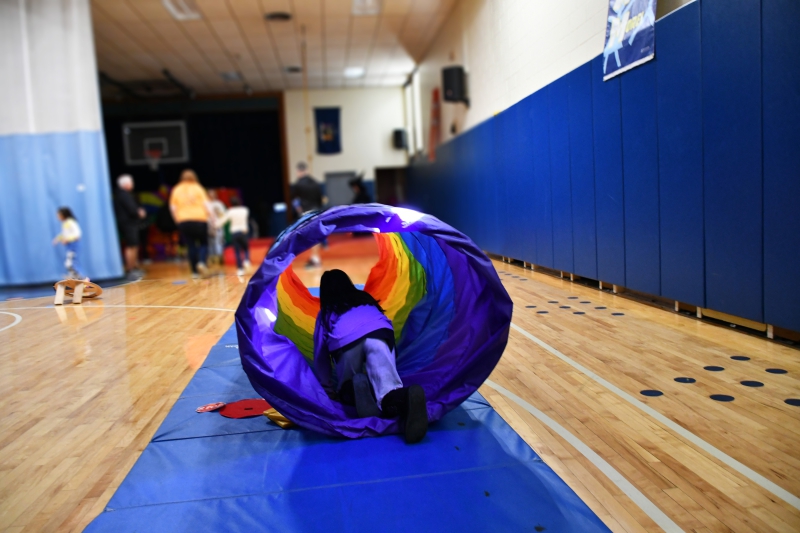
(354, 357)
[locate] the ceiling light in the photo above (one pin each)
(278, 16)
(354, 72)
(231, 76)
(365, 7)
(182, 9)
(294, 70)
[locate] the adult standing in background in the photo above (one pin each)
(129, 217)
(190, 210)
(361, 195)
(307, 196)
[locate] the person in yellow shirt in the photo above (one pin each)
(70, 237)
(190, 209)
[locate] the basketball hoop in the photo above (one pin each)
(153, 157)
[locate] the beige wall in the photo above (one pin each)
(510, 49)
(368, 117)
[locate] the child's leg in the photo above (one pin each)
(381, 368)
(350, 362)
(72, 259)
(237, 248)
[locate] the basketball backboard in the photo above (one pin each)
(166, 139)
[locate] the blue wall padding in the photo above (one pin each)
(640, 168)
(731, 41)
(500, 179)
(581, 155)
(680, 157)
(781, 85)
(609, 190)
(663, 179)
(561, 187)
(542, 197)
(204, 472)
(38, 174)
(521, 192)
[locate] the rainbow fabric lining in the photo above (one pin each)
(397, 281)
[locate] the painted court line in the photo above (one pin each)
(721, 456)
(85, 306)
(17, 320)
(648, 507)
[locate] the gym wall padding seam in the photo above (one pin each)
(682, 206)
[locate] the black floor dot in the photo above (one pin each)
(572, 297)
(530, 306)
(777, 371)
(552, 301)
(542, 312)
(586, 302)
(685, 380)
(564, 306)
(793, 401)
(618, 314)
(578, 313)
(721, 397)
(600, 308)
(748, 383)
(650, 392)
(740, 358)
(713, 368)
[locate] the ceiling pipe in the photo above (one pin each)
(188, 92)
(108, 80)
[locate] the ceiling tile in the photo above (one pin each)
(136, 39)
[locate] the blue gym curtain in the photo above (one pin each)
(52, 150)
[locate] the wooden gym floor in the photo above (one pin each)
(85, 387)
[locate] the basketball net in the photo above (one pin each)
(153, 158)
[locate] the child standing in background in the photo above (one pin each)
(239, 217)
(70, 236)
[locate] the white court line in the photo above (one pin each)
(50, 296)
(718, 454)
(648, 507)
(17, 320)
(130, 306)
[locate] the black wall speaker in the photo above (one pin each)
(454, 82)
(399, 139)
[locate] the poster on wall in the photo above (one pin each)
(630, 35)
(328, 131)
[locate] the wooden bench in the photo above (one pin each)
(77, 289)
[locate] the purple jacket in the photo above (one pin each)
(341, 331)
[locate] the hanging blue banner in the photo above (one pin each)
(630, 35)
(328, 132)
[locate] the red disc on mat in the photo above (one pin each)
(244, 408)
(210, 407)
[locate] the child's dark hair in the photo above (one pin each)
(235, 202)
(66, 213)
(338, 295)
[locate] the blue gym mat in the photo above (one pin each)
(205, 472)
